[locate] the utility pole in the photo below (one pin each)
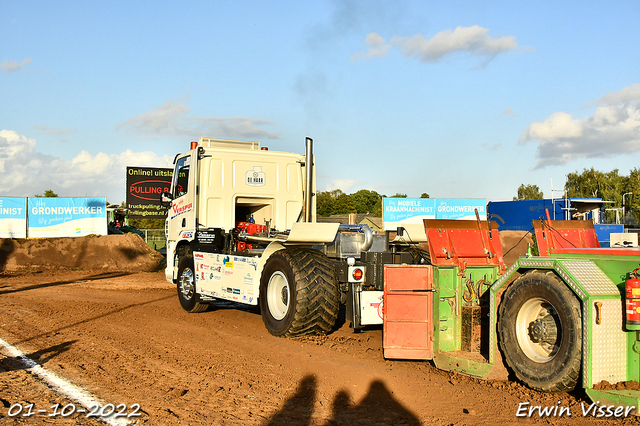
(624, 213)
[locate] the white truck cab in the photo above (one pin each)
(241, 227)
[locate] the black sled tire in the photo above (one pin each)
(187, 295)
(299, 293)
(540, 331)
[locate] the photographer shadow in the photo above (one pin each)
(377, 406)
(6, 248)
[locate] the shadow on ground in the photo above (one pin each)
(95, 277)
(40, 357)
(378, 406)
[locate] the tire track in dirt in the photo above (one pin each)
(126, 339)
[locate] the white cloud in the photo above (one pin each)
(493, 147)
(613, 129)
(626, 95)
(11, 66)
(345, 185)
(377, 48)
(559, 125)
(54, 130)
(27, 172)
(472, 40)
(171, 119)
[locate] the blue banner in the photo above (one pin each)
(13, 217)
(403, 211)
(461, 208)
(67, 217)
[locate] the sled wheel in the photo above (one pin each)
(299, 293)
(187, 295)
(540, 330)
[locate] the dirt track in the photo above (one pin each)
(123, 337)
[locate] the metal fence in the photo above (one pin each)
(155, 238)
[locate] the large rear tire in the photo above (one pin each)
(540, 330)
(189, 299)
(299, 293)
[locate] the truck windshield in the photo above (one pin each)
(181, 175)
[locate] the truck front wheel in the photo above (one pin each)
(540, 331)
(187, 295)
(299, 293)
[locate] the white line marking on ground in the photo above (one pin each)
(60, 385)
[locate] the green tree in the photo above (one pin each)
(365, 200)
(325, 202)
(399, 195)
(632, 201)
(528, 192)
(147, 223)
(344, 204)
(334, 202)
(424, 195)
(591, 183)
(377, 208)
(47, 194)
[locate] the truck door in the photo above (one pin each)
(181, 215)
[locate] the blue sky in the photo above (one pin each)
(455, 99)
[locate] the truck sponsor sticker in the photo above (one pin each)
(256, 177)
(208, 237)
(248, 279)
(228, 277)
(180, 208)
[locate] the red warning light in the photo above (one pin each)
(357, 274)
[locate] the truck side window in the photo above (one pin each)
(181, 175)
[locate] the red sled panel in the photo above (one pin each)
(408, 312)
(408, 277)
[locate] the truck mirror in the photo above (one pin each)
(165, 199)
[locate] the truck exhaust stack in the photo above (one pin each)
(308, 184)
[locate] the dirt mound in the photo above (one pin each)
(127, 252)
(629, 385)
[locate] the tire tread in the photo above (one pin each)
(198, 306)
(571, 371)
(318, 296)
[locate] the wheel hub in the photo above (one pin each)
(537, 330)
(186, 284)
(543, 330)
(278, 295)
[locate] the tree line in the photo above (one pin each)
(623, 191)
(364, 201)
(589, 183)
